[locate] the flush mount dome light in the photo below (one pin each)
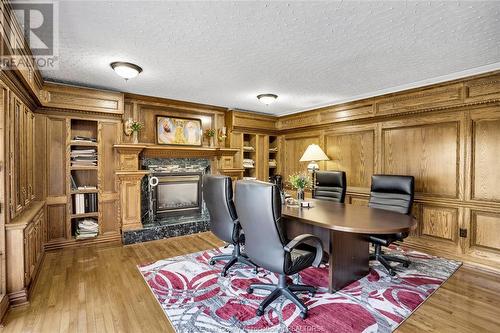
(267, 98)
(126, 70)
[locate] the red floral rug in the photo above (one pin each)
(195, 298)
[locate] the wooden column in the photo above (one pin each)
(130, 176)
(130, 198)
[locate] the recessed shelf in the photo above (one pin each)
(85, 238)
(84, 144)
(83, 168)
(84, 191)
(77, 216)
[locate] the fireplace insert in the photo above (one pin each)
(177, 194)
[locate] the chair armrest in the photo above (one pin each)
(300, 239)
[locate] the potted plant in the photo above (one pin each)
(300, 181)
(136, 127)
(210, 133)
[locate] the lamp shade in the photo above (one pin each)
(314, 153)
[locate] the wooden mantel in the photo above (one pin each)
(151, 150)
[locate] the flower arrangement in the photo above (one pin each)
(300, 181)
(210, 133)
(136, 126)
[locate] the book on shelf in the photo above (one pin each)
(73, 183)
(83, 157)
(80, 138)
(86, 228)
(86, 187)
(248, 163)
(85, 203)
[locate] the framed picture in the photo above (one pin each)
(178, 131)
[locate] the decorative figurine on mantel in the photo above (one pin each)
(222, 134)
(210, 133)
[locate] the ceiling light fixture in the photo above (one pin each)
(126, 70)
(267, 98)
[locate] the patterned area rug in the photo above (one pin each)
(195, 298)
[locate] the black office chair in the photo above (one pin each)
(259, 209)
(394, 193)
(218, 196)
(330, 185)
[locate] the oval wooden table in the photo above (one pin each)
(343, 229)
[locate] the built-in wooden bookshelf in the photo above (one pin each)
(83, 180)
(249, 154)
(273, 156)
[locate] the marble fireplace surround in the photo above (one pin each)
(130, 175)
(170, 166)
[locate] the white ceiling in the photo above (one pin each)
(309, 53)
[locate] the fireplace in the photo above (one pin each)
(176, 193)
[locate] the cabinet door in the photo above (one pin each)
(29, 156)
(16, 113)
(28, 252)
(23, 162)
(108, 186)
(262, 157)
(56, 180)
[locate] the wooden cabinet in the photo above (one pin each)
(100, 180)
(21, 143)
(25, 238)
(255, 154)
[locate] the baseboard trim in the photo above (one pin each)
(466, 260)
(18, 298)
(69, 243)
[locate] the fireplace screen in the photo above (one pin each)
(177, 194)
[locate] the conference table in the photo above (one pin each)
(343, 229)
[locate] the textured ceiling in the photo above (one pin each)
(309, 53)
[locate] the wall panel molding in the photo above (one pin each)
(447, 136)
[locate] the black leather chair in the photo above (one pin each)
(259, 209)
(393, 193)
(218, 196)
(330, 185)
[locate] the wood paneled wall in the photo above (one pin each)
(447, 136)
(145, 109)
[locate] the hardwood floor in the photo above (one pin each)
(99, 289)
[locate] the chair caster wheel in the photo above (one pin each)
(259, 312)
(303, 314)
(406, 265)
(255, 270)
(250, 290)
(211, 262)
(223, 273)
(392, 273)
(312, 294)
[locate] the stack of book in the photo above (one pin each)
(80, 138)
(84, 157)
(85, 203)
(87, 228)
(248, 163)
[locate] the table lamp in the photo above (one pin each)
(312, 154)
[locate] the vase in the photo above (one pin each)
(212, 142)
(300, 195)
(135, 137)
